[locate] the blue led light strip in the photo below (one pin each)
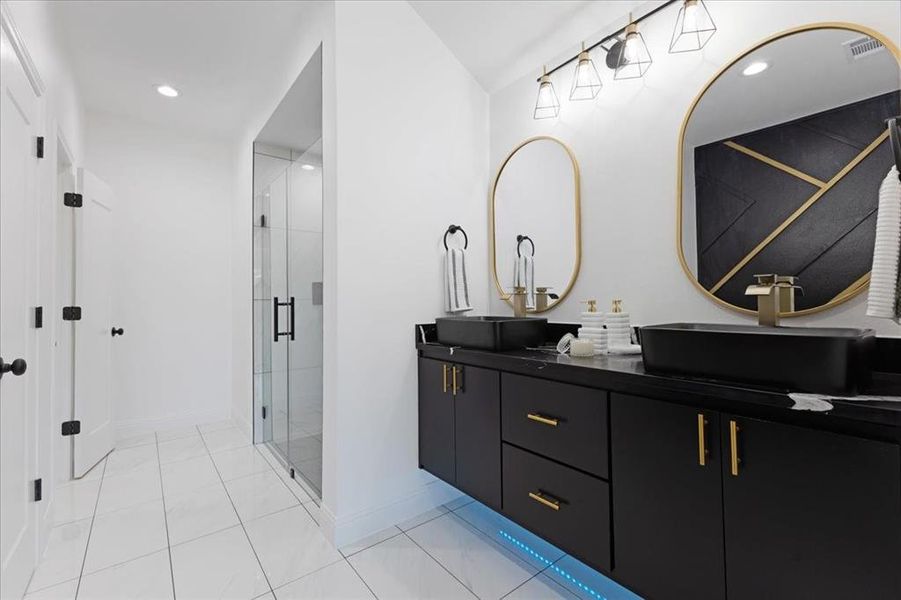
(526, 548)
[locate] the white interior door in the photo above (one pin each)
(93, 281)
(18, 391)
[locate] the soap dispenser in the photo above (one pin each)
(619, 331)
(593, 327)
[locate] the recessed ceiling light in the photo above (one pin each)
(307, 167)
(167, 90)
(755, 67)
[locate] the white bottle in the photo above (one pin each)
(593, 327)
(619, 331)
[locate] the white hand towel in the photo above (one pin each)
(884, 298)
(456, 297)
(524, 276)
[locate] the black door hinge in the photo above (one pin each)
(71, 427)
(292, 473)
(264, 412)
(71, 313)
(38, 317)
(73, 200)
(37, 490)
(39, 149)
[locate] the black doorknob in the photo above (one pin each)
(118, 331)
(16, 367)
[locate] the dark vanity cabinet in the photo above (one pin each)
(459, 427)
(667, 498)
(809, 514)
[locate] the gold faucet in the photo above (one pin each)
(519, 301)
(775, 296)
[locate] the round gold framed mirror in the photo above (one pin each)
(781, 156)
(536, 222)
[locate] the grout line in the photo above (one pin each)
(366, 583)
(390, 537)
(240, 520)
(87, 544)
(440, 564)
(165, 516)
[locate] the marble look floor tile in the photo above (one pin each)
(124, 461)
(75, 500)
(422, 518)
(135, 440)
(198, 512)
(480, 564)
(460, 502)
(540, 587)
(96, 471)
(188, 475)
(61, 591)
(216, 426)
(145, 578)
(314, 510)
(240, 462)
(297, 488)
(177, 433)
(369, 541)
(258, 495)
(64, 555)
(400, 570)
(586, 583)
(290, 545)
(335, 582)
(126, 534)
(493, 524)
(129, 489)
(181, 449)
(225, 439)
(235, 572)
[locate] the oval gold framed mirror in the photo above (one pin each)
(781, 156)
(536, 223)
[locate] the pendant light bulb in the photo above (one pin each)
(586, 81)
(547, 106)
(632, 58)
(694, 27)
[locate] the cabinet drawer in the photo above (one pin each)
(565, 422)
(566, 507)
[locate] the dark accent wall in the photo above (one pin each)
(740, 200)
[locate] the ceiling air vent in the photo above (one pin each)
(863, 46)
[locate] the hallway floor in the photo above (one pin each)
(201, 513)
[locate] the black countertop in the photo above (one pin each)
(626, 375)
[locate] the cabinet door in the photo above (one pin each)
(810, 514)
(436, 420)
(478, 433)
(667, 506)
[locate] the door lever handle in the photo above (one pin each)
(118, 331)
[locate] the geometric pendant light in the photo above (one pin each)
(547, 106)
(694, 27)
(630, 56)
(586, 81)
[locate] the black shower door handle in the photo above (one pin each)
(275, 306)
(291, 304)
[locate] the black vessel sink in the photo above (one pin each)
(491, 333)
(821, 360)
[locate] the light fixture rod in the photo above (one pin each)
(610, 36)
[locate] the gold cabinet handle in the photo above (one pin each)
(540, 419)
(455, 379)
(551, 503)
(702, 440)
(733, 447)
(444, 369)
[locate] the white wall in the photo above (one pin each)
(412, 128)
(626, 142)
(171, 292)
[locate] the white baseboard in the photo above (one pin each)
(132, 427)
(357, 526)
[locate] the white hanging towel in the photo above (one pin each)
(524, 276)
(884, 299)
(456, 297)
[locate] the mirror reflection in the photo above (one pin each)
(781, 168)
(535, 210)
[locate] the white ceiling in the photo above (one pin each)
(499, 41)
(212, 51)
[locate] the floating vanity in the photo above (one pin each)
(676, 488)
